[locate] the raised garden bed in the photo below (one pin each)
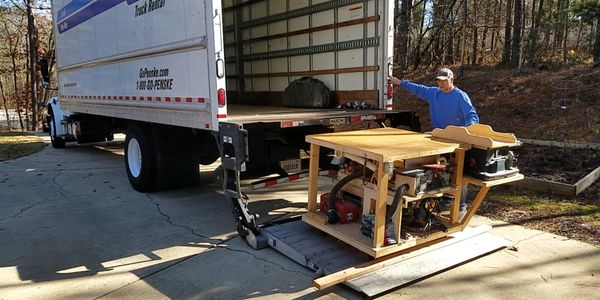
(560, 170)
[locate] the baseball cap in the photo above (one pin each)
(444, 74)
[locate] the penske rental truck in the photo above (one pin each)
(193, 81)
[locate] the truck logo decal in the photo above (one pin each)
(79, 11)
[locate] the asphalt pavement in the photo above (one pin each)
(71, 227)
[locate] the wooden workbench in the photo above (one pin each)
(386, 147)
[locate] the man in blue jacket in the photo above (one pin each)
(448, 105)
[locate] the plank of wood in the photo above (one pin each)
(318, 217)
(552, 187)
(309, 30)
(380, 205)
(458, 181)
(474, 205)
(313, 178)
(486, 130)
(313, 73)
(481, 136)
(490, 183)
(571, 145)
(422, 266)
(368, 96)
(377, 264)
(586, 181)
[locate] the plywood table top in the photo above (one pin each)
(384, 144)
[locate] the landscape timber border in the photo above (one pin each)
(559, 188)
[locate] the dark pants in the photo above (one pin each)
(447, 201)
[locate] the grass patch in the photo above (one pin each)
(545, 204)
(17, 144)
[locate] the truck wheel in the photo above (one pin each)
(139, 159)
(57, 141)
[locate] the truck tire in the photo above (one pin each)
(308, 92)
(139, 158)
(56, 141)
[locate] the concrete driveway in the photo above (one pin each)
(71, 227)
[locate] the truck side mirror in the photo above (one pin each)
(45, 72)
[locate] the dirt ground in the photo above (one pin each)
(560, 105)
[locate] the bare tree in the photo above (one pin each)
(515, 55)
(403, 34)
(507, 34)
(5, 104)
(33, 57)
(12, 41)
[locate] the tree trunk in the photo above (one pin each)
(533, 42)
(14, 69)
(437, 32)
(27, 92)
(464, 32)
(32, 63)
(495, 27)
(417, 49)
(486, 23)
(5, 105)
(507, 34)
(565, 39)
(13, 53)
(559, 26)
(475, 42)
(578, 39)
(596, 52)
(516, 40)
(402, 35)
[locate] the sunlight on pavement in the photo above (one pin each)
(84, 282)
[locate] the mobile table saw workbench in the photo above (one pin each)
(389, 150)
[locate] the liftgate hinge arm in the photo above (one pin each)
(233, 143)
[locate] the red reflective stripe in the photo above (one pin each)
(221, 116)
(141, 98)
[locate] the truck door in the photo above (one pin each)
(216, 63)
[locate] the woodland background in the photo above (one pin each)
(513, 34)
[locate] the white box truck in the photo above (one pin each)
(190, 81)
(169, 72)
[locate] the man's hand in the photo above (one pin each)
(394, 80)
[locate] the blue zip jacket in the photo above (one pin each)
(453, 108)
